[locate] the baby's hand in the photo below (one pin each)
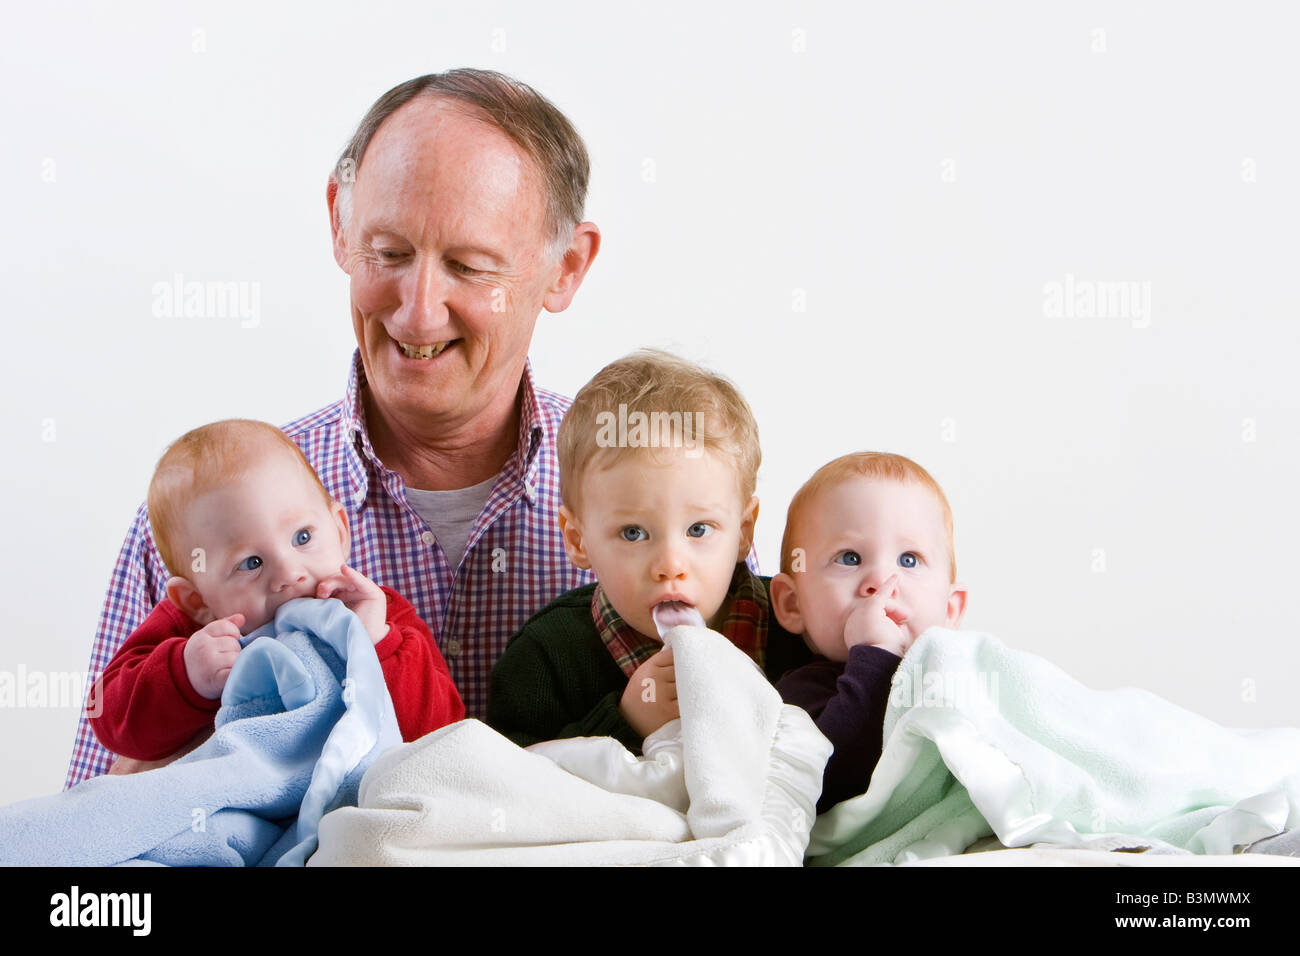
(650, 699)
(361, 596)
(210, 653)
(872, 621)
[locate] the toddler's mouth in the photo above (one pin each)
(669, 614)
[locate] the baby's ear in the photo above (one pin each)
(956, 605)
(571, 532)
(187, 597)
(785, 603)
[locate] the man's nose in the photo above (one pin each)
(424, 294)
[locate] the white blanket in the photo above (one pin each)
(734, 781)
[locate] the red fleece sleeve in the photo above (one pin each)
(144, 705)
(423, 693)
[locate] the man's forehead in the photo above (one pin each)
(435, 141)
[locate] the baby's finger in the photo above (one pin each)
(332, 586)
(664, 657)
(223, 628)
(886, 590)
(357, 579)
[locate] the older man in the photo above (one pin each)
(456, 210)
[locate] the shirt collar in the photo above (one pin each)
(533, 432)
(745, 625)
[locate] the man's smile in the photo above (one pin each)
(425, 352)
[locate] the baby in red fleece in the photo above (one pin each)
(244, 524)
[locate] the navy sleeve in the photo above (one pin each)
(847, 702)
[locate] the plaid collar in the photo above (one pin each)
(745, 624)
(533, 432)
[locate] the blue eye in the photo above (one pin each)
(250, 563)
(301, 538)
(633, 533)
(699, 530)
(908, 559)
(849, 558)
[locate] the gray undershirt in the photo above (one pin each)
(451, 514)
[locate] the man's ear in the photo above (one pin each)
(573, 266)
(956, 605)
(336, 224)
(748, 517)
(571, 532)
(341, 522)
(187, 597)
(785, 603)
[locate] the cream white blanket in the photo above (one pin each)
(733, 782)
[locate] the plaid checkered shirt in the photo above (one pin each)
(514, 561)
(745, 624)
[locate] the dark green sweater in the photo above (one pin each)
(557, 679)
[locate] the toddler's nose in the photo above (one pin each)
(670, 563)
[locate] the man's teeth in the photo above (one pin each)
(422, 351)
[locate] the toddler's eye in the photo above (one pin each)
(699, 530)
(250, 563)
(302, 537)
(633, 533)
(908, 559)
(849, 558)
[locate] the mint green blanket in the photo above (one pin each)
(981, 739)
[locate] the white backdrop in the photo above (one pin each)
(885, 222)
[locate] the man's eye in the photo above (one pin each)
(699, 530)
(908, 559)
(849, 558)
(463, 269)
(633, 533)
(302, 537)
(390, 255)
(250, 563)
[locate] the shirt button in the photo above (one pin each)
(452, 647)
(428, 538)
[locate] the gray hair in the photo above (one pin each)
(531, 121)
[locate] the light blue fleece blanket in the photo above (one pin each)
(304, 712)
(981, 739)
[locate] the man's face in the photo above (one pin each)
(446, 247)
(660, 527)
(855, 535)
(267, 538)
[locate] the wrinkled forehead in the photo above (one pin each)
(438, 150)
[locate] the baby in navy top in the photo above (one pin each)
(867, 565)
